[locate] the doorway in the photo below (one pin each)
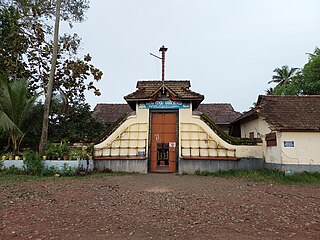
(163, 142)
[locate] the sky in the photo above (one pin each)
(227, 49)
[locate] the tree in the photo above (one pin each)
(13, 44)
(75, 125)
(314, 54)
(45, 127)
(26, 47)
(29, 21)
(295, 87)
(299, 82)
(283, 75)
(269, 91)
(311, 76)
(17, 111)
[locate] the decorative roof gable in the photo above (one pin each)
(149, 90)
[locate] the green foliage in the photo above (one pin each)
(67, 170)
(26, 47)
(52, 151)
(90, 149)
(294, 87)
(64, 148)
(74, 154)
(311, 76)
(14, 170)
(33, 163)
(1, 164)
(14, 44)
(7, 178)
(51, 171)
(78, 125)
(266, 175)
(269, 91)
(18, 112)
(283, 75)
(295, 82)
(314, 54)
(224, 136)
(71, 10)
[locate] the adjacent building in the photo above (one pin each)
(289, 127)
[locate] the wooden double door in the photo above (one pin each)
(163, 156)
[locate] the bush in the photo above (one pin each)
(14, 170)
(67, 170)
(1, 165)
(51, 171)
(33, 163)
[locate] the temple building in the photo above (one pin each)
(164, 127)
(163, 132)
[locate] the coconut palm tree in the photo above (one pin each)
(283, 75)
(314, 54)
(17, 110)
(269, 91)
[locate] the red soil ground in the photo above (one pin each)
(157, 206)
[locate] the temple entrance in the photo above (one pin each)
(163, 142)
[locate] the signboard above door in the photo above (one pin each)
(164, 104)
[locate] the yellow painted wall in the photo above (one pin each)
(272, 154)
(196, 139)
(306, 148)
(258, 126)
(192, 127)
(130, 138)
(260, 129)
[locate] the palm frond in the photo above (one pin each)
(7, 125)
(15, 109)
(283, 75)
(269, 91)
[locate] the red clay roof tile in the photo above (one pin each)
(287, 113)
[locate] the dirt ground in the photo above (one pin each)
(158, 206)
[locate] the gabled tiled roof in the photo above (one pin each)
(287, 113)
(109, 112)
(220, 113)
(179, 90)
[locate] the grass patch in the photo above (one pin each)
(265, 175)
(10, 177)
(7, 177)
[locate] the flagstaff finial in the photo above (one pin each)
(163, 50)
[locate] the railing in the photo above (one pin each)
(196, 142)
(129, 143)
